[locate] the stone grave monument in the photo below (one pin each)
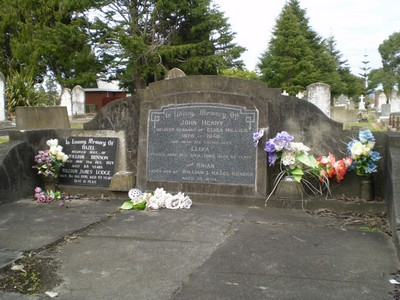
(78, 101)
(66, 100)
(319, 94)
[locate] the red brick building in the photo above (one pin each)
(102, 93)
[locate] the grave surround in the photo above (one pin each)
(302, 119)
(207, 152)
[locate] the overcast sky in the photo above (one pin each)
(359, 26)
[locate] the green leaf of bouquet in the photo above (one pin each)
(313, 161)
(297, 177)
(297, 172)
(127, 205)
(140, 206)
(307, 159)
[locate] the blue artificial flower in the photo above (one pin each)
(371, 167)
(375, 156)
(352, 166)
(349, 145)
(366, 136)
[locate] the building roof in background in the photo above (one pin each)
(105, 86)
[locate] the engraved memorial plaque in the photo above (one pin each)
(202, 143)
(91, 161)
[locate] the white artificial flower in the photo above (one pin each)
(64, 158)
(54, 150)
(298, 147)
(288, 159)
(366, 151)
(52, 143)
(371, 145)
(356, 150)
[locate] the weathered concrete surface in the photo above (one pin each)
(26, 225)
(208, 252)
(38, 117)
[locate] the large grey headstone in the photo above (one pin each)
(2, 98)
(66, 100)
(319, 94)
(202, 143)
(78, 101)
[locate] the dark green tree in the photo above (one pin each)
(389, 74)
(296, 55)
(342, 80)
(145, 39)
(48, 37)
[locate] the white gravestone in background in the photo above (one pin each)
(361, 104)
(66, 100)
(319, 94)
(78, 101)
(381, 100)
(342, 100)
(395, 102)
(2, 98)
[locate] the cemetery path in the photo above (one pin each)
(207, 252)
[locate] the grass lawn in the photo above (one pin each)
(3, 139)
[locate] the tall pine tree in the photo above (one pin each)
(342, 81)
(296, 55)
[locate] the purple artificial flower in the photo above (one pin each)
(282, 140)
(257, 136)
(272, 158)
(270, 146)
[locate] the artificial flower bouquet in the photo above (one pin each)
(330, 167)
(158, 199)
(50, 161)
(364, 157)
(293, 157)
(48, 164)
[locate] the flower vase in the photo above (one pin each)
(50, 184)
(288, 188)
(367, 188)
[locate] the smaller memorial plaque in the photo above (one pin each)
(91, 161)
(202, 143)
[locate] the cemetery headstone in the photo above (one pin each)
(361, 104)
(395, 102)
(2, 98)
(202, 143)
(342, 100)
(385, 110)
(66, 100)
(78, 101)
(320, 95)
(175, 73)
(91, 162)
